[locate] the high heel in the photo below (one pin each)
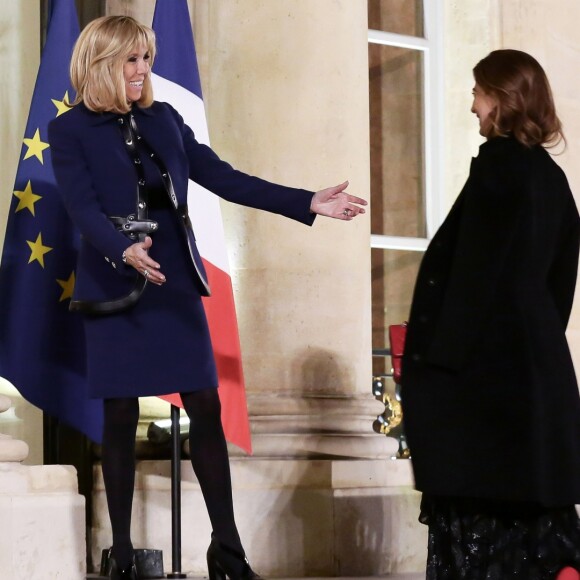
(224, 561)
(116, 573)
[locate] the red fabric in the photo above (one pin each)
(221, 315)
(568, 574)
(397, 336)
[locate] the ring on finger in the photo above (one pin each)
(346, 212)
(146, 273)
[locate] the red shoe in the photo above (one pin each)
(568, 574)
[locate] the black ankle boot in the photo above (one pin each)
(224, 561)
(129, 573)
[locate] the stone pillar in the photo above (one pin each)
(286, 92)
(42, 514)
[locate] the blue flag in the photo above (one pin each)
(175, 59)
(42, 346)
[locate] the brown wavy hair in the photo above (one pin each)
(524, 102)
(96, 68)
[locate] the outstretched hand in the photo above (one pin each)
(336, 203)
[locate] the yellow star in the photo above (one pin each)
(61, 106)
(35, 147)
(38, 250)
(68, 286)
(27, 199)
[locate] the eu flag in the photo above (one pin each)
(42, 347)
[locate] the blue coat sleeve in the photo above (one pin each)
(74, 181)
(219, 177)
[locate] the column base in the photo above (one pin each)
(297, 517)
(43, 523)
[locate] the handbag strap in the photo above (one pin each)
(182, 210)
(165, 176)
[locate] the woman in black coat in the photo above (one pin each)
(491, 402)
(122, 163)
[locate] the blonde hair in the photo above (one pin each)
(96, 68)
(524, 102)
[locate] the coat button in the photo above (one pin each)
(432, 282)
(423, 318)
(416, 357)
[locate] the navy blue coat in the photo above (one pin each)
(97, 178)
(490, 396)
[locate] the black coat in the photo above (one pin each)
(490, 398)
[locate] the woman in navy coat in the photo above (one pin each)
(122, 163)
(491, 402)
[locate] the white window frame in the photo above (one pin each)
(433, 114)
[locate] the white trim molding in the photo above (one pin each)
(431, 45)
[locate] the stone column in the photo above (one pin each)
(42, 514)
(286, 92)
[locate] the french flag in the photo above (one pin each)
(176, 81)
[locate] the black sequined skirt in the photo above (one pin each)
(476, 539)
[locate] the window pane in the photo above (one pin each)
(393, 280)
(399, 16)
(396, 139)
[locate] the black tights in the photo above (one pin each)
(209, 457)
